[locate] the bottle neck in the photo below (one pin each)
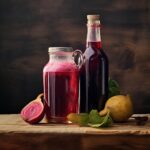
(93, 34)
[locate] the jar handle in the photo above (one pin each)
(78, 53)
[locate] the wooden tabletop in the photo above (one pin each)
(14, 123)
(12, 127)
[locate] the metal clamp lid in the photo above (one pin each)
(57, 49)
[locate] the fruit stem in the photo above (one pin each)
(104, 112)
(39, 97)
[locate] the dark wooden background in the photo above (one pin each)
(28, 28)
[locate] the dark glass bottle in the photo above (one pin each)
(94, 72)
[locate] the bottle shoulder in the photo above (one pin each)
(94, 52)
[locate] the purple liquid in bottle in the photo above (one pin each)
(94, 72)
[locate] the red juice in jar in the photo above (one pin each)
(61, 85)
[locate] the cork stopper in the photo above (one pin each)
(93, 17)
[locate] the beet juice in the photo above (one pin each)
(61, 85)
(94, 72)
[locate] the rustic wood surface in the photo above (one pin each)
(16, 134)
(14, 124)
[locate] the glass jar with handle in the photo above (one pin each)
(61, 83)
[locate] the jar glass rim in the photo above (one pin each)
(58, 49)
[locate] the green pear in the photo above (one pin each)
(120, 108)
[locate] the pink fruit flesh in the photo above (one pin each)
(33, 112)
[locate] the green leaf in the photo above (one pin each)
(113, 83)
(83, 119)
(106, 122)
(114, 88)
(94, 117)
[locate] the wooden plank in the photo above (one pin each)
(14, 124)
(15, 134)
(28, 141)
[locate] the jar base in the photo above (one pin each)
(57, 120)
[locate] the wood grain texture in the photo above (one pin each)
(17, 141)
(15, 134)
(14, 124)
(28, 28)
